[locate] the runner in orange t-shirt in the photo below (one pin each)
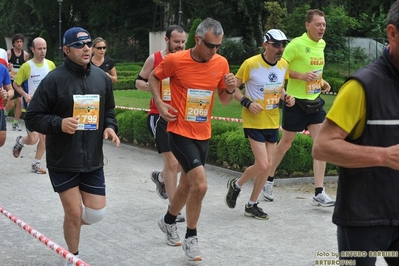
(194, 75)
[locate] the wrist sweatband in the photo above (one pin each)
(245, 102)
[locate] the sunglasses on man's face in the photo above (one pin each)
(101, 47)
(80, 45)
(211, 45)
(278, 44)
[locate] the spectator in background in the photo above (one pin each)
(99, 59)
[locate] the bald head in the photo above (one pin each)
(38, 41)
(39, 49)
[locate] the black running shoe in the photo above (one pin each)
(255, 211)
(232, 193)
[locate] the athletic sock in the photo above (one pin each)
(15, 121)
(169, 218)
(318, 190)
(251, 202)
(270, 178)
(20, 142)
(191, 232)
(160, 179)
(236, 185)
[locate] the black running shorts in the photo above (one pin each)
(190, 153)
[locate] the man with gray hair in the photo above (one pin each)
(194, 74)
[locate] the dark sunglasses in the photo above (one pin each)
(101, 47)
(80, 45)
(278, 44)
(211, 45)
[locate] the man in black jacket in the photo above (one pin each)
(74, 108)
(361, 135)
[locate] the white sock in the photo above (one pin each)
(237, 186)
(35, 161)
(251, 202)
(20, 142)
(160, 179)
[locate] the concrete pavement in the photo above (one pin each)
(296, 233)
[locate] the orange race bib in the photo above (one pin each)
(272, 93)
(165, 90)
(198, 105)
(87, 108)
(314, 86)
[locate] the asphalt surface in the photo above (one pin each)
(297, 233)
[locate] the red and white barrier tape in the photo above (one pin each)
(42, 238)
(229, 119)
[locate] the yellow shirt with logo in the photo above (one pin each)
(263, 84)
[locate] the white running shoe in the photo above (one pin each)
(191, 249)
(170, 230)
(267, 191)
(322, 199)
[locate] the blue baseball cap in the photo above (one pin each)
(71, 35)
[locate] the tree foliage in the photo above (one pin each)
(191, 40)
(125, 24)
(50, 48)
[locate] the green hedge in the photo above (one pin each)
(228, 147)
(127, 74)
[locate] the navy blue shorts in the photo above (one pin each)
(262, 135)
(91, 182)
(157, 127)
(190, 153)
(296, 120)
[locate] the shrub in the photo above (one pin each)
(50, 50)
(125, 126)
(139, 126)
(234, 51)
(298, 158)
(218, 128)
(191, 40)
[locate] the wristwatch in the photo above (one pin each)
(234, 90)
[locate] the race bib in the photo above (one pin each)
(314, 86)
(165, 90)
(87, 108)
(198, 105)
(272, 93)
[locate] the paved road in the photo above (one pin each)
(129, 234)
